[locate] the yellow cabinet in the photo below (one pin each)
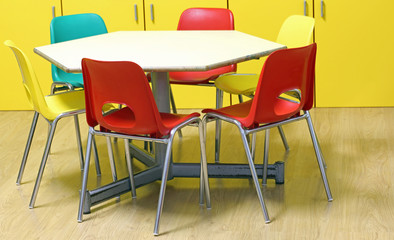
(118, 15)
(355, 55)
(27, 24)
(164, 14)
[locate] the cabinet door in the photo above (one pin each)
(164, 14)
(355, 55)
(263, 18)
(119, 15)
(27, 24)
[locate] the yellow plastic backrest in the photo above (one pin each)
(296, 31)
(30, 83)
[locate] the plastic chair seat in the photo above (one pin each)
(64, 102)
(198, 77)
(239, 84)
(283, 109)
(123, 121)
(75, 79)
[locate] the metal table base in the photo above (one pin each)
(191, 170)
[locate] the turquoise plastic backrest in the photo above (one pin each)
(70, 27)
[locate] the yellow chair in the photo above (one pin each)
(51, 107)
(296, 31)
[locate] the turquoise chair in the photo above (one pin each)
(70, 27)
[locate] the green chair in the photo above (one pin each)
(70, 27)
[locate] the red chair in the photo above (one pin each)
(285, 71)
(125, 83)
(204, 19)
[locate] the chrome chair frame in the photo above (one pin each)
(168, 140)
(52, 128)
(219, 104)
(245, 132)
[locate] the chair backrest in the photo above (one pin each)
(296, 31)
(30, 82)
(70, 27)
(208, 19)
(131, 89)
(295, 69)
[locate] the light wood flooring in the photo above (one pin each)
(357, 143)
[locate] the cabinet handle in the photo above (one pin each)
(135, 13)
(53, 12)
(151, 12)
(322, 8)
(304, 7)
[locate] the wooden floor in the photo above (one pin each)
(358, 145)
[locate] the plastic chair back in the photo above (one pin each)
(204, 19)
(70, 27)
(131, 89)
(295, 69)
(296, 31)
(30, 82)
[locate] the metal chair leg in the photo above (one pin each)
(284, 140)
(204, 181)
(85, 177)
(130, 168)
(78, 133)
(163, 185)
(43, 163)
(96, 158)
(27, 148)
(240, 99)
(253, 145)
(111, 159)
(218, 129)
(254, 175)
(172, 102)
(318, 156)
(266, 152)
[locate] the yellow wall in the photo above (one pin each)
(354, 59)
(27, 24)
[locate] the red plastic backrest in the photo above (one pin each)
(284, 70)
(207, 19)
(122, 83)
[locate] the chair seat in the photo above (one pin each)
(239, 84)
(63, 102)
(123, 120)
(283, 110)
(75, 79)
(198, 77)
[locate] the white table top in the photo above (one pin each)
(161, 51)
